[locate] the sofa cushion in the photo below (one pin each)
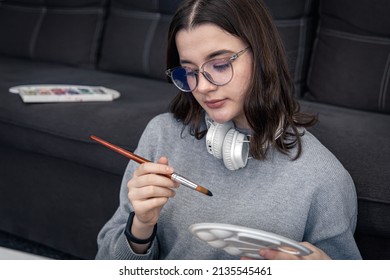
(135, 39)
(141, 50)
(62, 129)
(351, 135)
(351, 60)
(296, 21)
(57, 31)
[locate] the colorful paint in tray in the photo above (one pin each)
(64, 93)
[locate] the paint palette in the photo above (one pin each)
(243, 241)
(64, 93)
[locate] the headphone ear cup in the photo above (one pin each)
(235, 150)
(215, 138)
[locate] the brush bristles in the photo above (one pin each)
(204, 190)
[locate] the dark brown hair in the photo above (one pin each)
(269, 98)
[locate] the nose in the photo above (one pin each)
(204, 85)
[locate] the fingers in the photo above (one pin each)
(149, 186)
(150, 189)
(317, 254)
(163, 160)
(160, 167)
(270, 254)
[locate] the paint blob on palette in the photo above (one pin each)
(243, 241)
(64, 93)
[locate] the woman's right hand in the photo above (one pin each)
(148, 192)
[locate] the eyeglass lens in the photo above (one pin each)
(218, 72)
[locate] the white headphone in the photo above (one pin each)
(224, 142)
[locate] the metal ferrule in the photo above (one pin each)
(183, 181)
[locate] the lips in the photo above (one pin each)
(215, 103)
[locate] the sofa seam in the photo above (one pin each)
(384, 86)
(312, 58)
(75, 11)
(148, 44)
(287, 22)
(35, 34)
(356, 37)
(96, 38)
(70, 10)
(135, 14)
(301, 49)
(64, 159)
(22, 8)
(41, 130)
(303, 22)
(59, 135)
(369, 199)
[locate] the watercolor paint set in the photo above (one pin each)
(64, 93)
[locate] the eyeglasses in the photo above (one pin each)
(218, 71)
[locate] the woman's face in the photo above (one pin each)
(206, 42)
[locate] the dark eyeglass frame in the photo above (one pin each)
(208, 77)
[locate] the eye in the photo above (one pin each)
(190, 72)
(220, 66)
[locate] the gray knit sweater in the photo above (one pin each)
(310, 199)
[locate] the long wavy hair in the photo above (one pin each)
(269, 99)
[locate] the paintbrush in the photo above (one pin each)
(174, 176)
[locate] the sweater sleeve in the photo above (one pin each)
(332, 220)
(111, 240)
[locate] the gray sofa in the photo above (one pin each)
(58, 187)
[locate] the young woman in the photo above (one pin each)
(235, 129)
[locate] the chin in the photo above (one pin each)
(219, 118)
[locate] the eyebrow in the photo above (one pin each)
(209, 56)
